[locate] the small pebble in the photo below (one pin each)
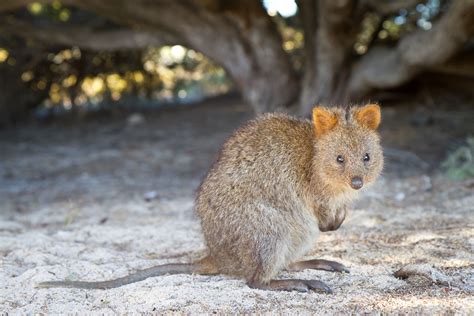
(400, 196)
(150, 195)
(135, 119)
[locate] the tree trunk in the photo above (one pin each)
(270, 83)
(330, 27)
(250, 49)
(16, 98)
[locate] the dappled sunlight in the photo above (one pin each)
(169, 73)
(3, 55)
(55, 10)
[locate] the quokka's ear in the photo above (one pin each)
(368, 116)
(323, 120)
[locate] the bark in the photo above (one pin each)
(309, 15)
(461, 65)
(16, 98)
(326, 68)
(88, 38)
(387, 7)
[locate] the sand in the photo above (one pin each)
(99, 199)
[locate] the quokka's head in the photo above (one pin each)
(348, 154)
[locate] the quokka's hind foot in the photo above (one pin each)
(318, 264)
(293, 285)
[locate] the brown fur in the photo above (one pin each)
(277, 180)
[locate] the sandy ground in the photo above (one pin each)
(101, 198)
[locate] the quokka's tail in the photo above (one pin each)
(140, 275)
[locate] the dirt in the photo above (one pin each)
(100, 198)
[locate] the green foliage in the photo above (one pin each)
(460, 164)
(54, 11)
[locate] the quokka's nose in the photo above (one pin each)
(357, 183)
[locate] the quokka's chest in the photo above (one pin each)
(341, 200)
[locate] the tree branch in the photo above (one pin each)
(105, 40)
(460, 65)
(384, 67)
(387, 7)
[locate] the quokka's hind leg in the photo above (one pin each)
(318, 264)
(206, 266)
(259, 280)
(292, 285)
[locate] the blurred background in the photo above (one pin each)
(59, 57)
(79, 60)
(112, 111)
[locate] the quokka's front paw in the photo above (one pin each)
(330, 224)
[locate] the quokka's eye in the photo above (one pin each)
(340, 159)
(366, 157)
